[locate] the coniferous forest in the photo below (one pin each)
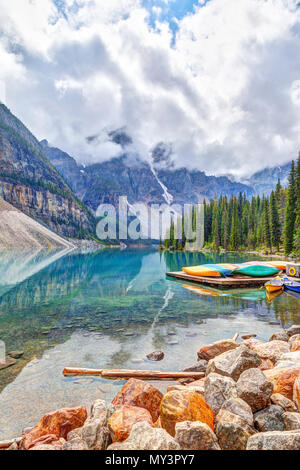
(269, 224)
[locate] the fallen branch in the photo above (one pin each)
(236, 337)
(128, 374)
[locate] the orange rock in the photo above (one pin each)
(186, 405)
(139, 393)
(266, 364)
(296, 392)
(283, 380)
(212, 350)
(124, 418)
(57, 424)
(295, 343)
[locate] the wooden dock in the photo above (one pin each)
(222, 281)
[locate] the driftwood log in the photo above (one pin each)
(128, 374)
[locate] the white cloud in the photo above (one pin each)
(226, 93)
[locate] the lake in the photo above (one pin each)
(108, 310)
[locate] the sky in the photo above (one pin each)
(216, 80)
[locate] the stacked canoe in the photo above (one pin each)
(251, 269)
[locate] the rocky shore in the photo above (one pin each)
(249, 399)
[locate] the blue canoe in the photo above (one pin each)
(292, 285)
(219, 268)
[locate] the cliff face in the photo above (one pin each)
(265, 181)
(31, 183)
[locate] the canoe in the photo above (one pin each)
(203, 271)
(279, 264)
(220, 268)
(257, 270)
(292, 285)
(229, 266)
(274, 285)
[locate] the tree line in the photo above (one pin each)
(266, 223)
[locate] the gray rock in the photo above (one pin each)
(195, 436)
(272, 350)
(232, 431)
(269, 419)
(217, 390)
(275, 440)
(199, 366)
(280, 336)
(254, 389)
(145, 437)
(95, 430)
(285, 403)
(233, 363)
(75, 444)
(291, 421)
(156, 356)
(294, 330)
(239, 407)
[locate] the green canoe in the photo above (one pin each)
(256, 270)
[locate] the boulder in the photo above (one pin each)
(290, 359)
(123, 420)
(285, 403)
(294, 342)
(296, 392)
(232, 431)
(75, 444)
(266, 364)
(186, 405)
(283, 380)
(271, 350)
(195, 436)
(291, 421)
(254, 389)
(233, 363)
(214, 349)
(145, 437)
(58, 424)
(275, 440)
(218, 389)
(195, 388)
(280, 336)
(156, 356)
(238, 407)
(139, 393)
(95, 432)
(294, 330)
(269, 419)
(200, 366)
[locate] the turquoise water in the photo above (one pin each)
(108, 310)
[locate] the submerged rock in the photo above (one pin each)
(233, 363)
(212, 350)
(195, 436)
(123, 420)
(275, 440)
(145, 437)
(254, 389)
(185, 405)
(156, 356)
(269, 419)
(16, 354)
(139, 393)
(9, 361)
(217, 390)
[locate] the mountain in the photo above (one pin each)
(32, 184)
(154, 182)
(17, 230)
(263, 182)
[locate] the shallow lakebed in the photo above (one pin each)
(108, 310)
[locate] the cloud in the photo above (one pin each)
(225, 92)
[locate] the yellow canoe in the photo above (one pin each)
(228, 265)
(201, 271)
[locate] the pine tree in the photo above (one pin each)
(290, 213)
(297, 223)
(266, 224)
(274, 222)
(234, 233)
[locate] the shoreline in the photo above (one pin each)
(249, 398)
